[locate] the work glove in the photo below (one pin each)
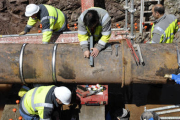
(22, 33)
(151, 118)
(176, 78)
(23, 91)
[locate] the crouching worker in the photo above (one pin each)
(96, 22)
(40, 102)
(51, 18)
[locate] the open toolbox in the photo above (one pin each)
(92, 95)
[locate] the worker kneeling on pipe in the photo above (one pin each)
(40, 102)
(52, 20)
(97, 22)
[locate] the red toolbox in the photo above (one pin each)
(100, 98)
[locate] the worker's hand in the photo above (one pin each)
(22, 33)
(86, 54)
(94, 52)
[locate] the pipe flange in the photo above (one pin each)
(21, 63)
(132, 10)
(54, 64)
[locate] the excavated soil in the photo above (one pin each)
(13, 18)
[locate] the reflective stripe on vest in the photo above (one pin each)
(23, 106)
(46, 30)
(51, 17)
(104, 18)
(29, 26)
(82, 32)
(170, 36)
(39, 104)
(83, 42)
(162, 31)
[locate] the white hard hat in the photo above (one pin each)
(63, 94)
(31, 9)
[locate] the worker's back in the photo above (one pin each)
(33, 100)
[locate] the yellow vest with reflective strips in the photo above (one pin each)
(96, 36)
(56, 20)
(34, 101)
(167, 35)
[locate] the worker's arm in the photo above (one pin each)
(156, 36)
(31, 22)
(82, 35)
(106, 34)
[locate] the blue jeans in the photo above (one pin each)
(27, 117)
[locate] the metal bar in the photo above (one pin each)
(91, 60)
(168, 111)
(163, 108)
(139, 52)
(66, 32)
(169, 118)
(126, 14)
(21, 63)
(54, 63)
(132, 21)
(141, 17)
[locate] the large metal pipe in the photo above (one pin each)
(71, 67)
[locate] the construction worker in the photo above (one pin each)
(164, 27)
(97, 22)
(39, 103)
(51, 18)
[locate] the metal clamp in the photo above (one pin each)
(54, 63)
(132, 10)
(21, 63)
